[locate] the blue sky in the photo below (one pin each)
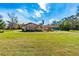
(36, 12)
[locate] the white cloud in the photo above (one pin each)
(23, 12)
(41, 11)
(43, 6)
(33, 16)
(37, 13)
(51, 20)
(22, 19)
(39, 22)
(19, 10)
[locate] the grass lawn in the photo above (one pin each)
(15, 43)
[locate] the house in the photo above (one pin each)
(50, 27)
(31, 27)
(54, 27)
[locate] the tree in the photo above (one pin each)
(64, 25)
(71, 23)
(77, 12)
(12, 24)
(2, 24)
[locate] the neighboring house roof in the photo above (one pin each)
(54, 26)
(51, 26)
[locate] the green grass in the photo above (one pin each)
(57, 43)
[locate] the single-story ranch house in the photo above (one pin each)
(32, 27)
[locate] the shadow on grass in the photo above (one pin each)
(30, 31)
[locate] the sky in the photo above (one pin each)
(36, 12)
